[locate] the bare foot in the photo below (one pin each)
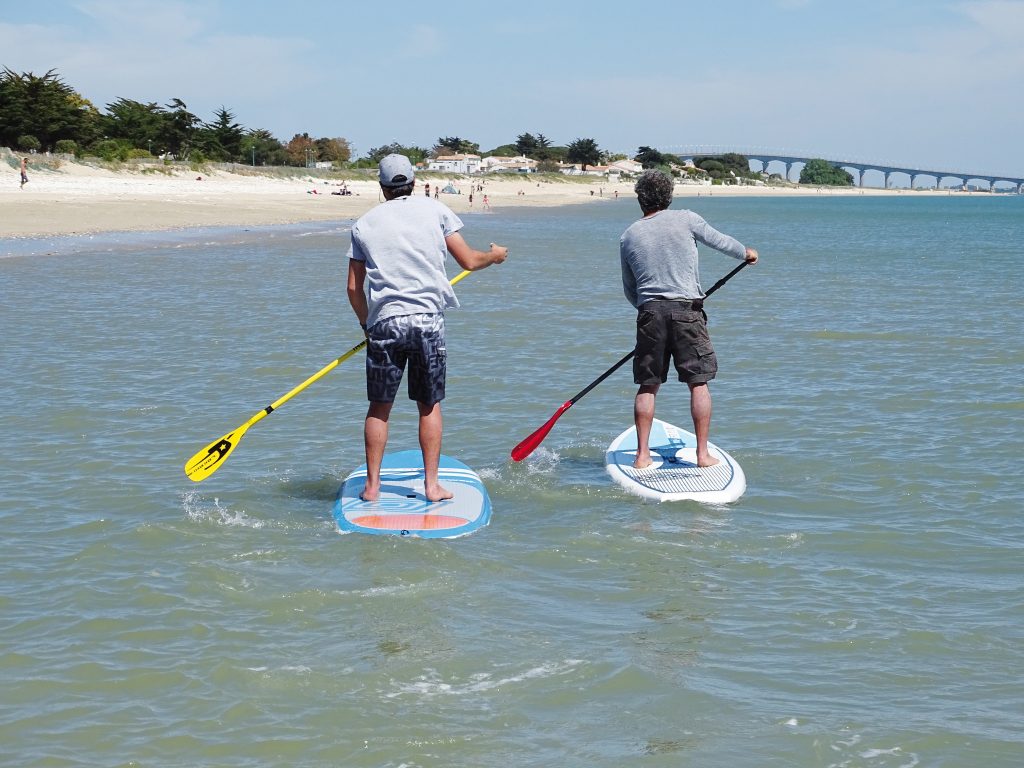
(706, 461)
(369, 494)
(438, 493)
(642, 463)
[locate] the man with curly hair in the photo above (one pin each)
(660, 278)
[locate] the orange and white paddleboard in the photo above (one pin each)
(403, 510)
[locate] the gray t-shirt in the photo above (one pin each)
(659, 255)
(402, 243)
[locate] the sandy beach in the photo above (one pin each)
(68, 198)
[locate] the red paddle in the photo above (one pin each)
(529, 445)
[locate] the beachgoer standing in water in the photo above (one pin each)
(398, 288)
(660, 278)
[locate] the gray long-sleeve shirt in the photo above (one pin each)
(659, 255)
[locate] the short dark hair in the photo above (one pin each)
(392, 192)
(654, 190)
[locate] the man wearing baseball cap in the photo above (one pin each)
(399, 289)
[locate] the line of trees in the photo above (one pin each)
(43, 113)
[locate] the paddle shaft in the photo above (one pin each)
(527, 446)
(629, 356)
(619, 364)
(208, 460)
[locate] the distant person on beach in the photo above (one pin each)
(24, 172)
(658, 255)
(398, 289)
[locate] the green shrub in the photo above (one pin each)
(28, 143)
(66, 147)
(111, 150)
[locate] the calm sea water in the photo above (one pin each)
(861, 605)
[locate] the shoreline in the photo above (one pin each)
(79, 199)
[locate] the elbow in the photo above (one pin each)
(474, 262)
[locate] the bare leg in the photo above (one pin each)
(375, 438)
(431, 427)
(643, 417)
(700, 410)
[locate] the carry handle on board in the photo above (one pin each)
(208, 460)
(529, 445)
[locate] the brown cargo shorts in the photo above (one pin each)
(676, 331)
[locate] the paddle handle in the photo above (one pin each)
(725, 279)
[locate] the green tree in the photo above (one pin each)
(652, 158)
(727, 166)
(140, 125)
(259, 147)
(179, 131)
(822, 172)
(415, 154)
(585, 152)
(44, 107)
(545, 151)
(526, 144)
(505, 150)
(222, 139)
(714, 167)
(456, 146)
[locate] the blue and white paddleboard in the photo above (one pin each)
(674, 475)
(403, 510)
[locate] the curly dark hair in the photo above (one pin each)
(654, 190)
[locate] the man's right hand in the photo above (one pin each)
(498, 253)
(751, 257)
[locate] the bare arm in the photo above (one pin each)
(356, 295)
(470, 258)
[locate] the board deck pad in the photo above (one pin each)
(403, 510)
(674, 475)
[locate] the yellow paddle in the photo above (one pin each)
(208, 460)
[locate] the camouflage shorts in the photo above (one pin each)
(414, 339)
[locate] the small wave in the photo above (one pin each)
(198, 510)
(433, 686)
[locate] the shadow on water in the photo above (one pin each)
(320, 489)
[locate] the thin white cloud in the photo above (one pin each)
(422, 42)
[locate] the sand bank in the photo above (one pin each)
(75, 198)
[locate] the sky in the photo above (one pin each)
(919, 83)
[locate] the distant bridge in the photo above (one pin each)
(789, 159)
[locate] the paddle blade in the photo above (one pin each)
(208, 460)
(529, 445)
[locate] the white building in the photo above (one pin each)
(576, 169)
(626, 166)
(519, 164)
(464, 164)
